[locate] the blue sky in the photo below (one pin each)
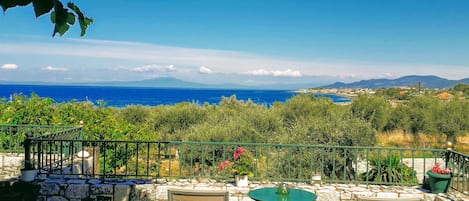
(255, 42)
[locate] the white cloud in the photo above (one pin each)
(275, 73)
(150, 68)
(259, 72)
(9, 66)
(205, 70)
(170, 68)
(51, 68)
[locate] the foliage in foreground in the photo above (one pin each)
(63, 17)
(301, 120)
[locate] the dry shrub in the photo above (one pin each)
(173, 165)
(399, 138)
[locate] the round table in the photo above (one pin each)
(270, 194)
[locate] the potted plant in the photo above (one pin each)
(439, 178)
(240, 167)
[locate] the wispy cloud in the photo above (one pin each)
(51, 68)
(9, 66)
(275, 73)
(191, 60)
(205, 70)
(149, 68)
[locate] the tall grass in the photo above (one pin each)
(399, 138)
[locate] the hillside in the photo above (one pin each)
(429, 81)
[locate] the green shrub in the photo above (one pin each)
(389, 169)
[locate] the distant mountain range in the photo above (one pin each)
(162, 82)
(429, 81)
(168, 82)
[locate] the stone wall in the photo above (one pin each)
(58, 188)
(61, 189)
(10, 165)
(55, 187)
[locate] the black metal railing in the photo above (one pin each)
(12, 136)
(274, 162)
(459, 164)
(33, 140)
(100, 158)
(63, 151)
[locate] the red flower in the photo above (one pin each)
(437, 170)
(239, 165)
(224, 164)
(238, 153)
(241, 150)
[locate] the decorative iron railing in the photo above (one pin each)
(63, 151)
(459, 164)
(273, 162)
(12, 136)
(20, 138)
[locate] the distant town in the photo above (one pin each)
(397, 93)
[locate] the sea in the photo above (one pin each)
(125, 96)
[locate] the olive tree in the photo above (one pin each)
(421, 113)
(372, 109)
(453, 119)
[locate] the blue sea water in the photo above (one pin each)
(123, 96)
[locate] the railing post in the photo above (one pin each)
(27, 154)
(39, 155)
(449, 148)
(159, 161)
(82, 135)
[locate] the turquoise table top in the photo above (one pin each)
(270, 194)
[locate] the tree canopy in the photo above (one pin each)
(63, 17)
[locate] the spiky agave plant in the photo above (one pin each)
(389, 169)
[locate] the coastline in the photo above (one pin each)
(345, 98)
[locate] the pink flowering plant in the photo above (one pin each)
(241, 164)
(437, 169)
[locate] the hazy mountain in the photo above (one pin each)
(168, 82)
(163, 82)
(429, 81)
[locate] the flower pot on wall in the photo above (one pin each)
(241, 180)
(316, 179)
(28, 175)
(439, 183)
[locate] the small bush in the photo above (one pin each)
(389, 169)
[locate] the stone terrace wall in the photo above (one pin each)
(63, 188)
(10, 165)
(57, 188)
